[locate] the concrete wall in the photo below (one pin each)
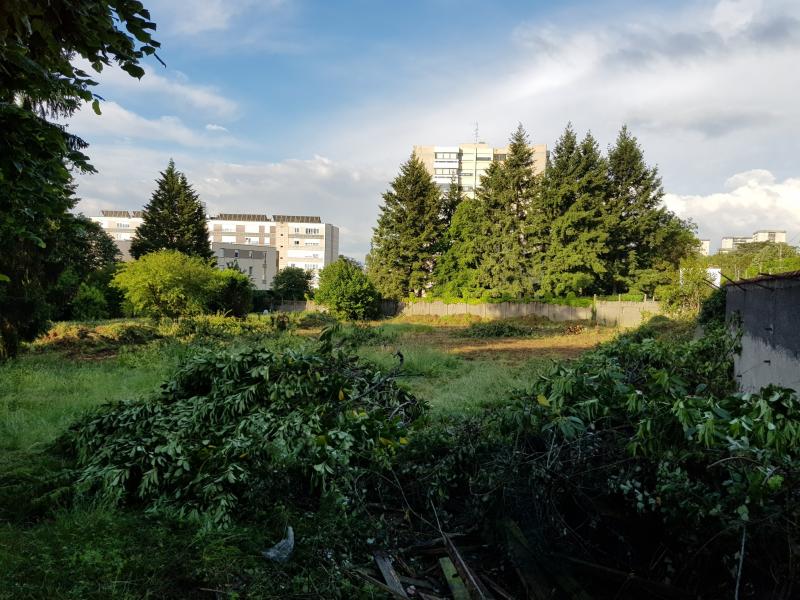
(621, 314)
(769, 312)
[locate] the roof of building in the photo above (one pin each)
(767, 277)
(241, 217)
(296, 219)
(137, 213)
(115, 213)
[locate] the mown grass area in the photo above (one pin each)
(54, 544)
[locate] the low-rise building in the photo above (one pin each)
(260, 263)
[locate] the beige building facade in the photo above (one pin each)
(466, 164)
(297, 240)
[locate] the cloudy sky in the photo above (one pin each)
(309, 107)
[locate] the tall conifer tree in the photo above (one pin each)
(575, 193)
(408, 235)
(633, 213)
(506, 195)
(174, 219)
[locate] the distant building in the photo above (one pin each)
(730, 243)
(705, 247)
(119, 224)
(298, 241)
(260, 263)
(465, 164)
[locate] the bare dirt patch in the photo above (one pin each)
(512, 350)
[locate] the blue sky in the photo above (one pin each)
(309, 107)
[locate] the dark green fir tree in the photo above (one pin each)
(574, 199)
(174, 219)
(408, 236)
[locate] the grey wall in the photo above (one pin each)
(769, 311)
(621, 314)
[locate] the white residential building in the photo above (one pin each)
(465, 164)
(730, 243)
(299, 241)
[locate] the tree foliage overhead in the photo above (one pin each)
(409, 232)
(174, 219)
(39, 79)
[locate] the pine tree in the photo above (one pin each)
(408, 236)
(174, 219)
(456, 273)
(506, 195)
(632, 215)
(574, 197)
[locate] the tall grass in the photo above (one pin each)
(41, 394)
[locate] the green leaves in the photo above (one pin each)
(236, 429)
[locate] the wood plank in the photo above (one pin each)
(477, 590)
(389, 574)
(457, 587)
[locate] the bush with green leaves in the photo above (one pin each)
(347, 292)
(239, 429)
(89, 304)
(639, 448)
(232, 294)
(496, 329)
(166, 284)
(291, 283)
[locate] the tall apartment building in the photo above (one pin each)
(298, 241)
(465, 164)
(730, 243)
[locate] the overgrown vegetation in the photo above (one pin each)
(240, 429)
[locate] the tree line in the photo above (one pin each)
(590, 224)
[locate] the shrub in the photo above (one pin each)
(166, 284)
(89, 304)
(712, 310)
(291, 283)
(496, 329)
(236, 429)
(347, 292)
(233, 293)
(87, 338)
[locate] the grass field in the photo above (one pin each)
(53, 545)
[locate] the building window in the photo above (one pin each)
(484, 158)
(772, 237)
(447, 155)
(312, 230)
(123, 225)
(445, 171)
(297, 230)
(500, 156)
(465, 174)
(250, 254)
(250, 271)
(235, 254)
(296, 242)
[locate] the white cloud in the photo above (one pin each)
(119, 124)
(215, 127)
(116, 84)
(752, 200)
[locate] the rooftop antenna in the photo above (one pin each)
(476, 132)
